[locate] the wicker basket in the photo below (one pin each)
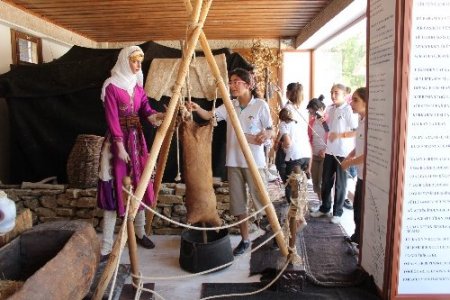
(83, 161)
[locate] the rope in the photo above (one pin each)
(195, 227)
(209, 270)
(178, 177)
(140, 287)
(254, 292)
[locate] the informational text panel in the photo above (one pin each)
(379, 136)
(424, 264)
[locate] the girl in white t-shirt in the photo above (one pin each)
(356, 158)
(298, 150)
(342, 123)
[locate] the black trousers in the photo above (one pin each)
(357, 211)
(333, 174)
(303, 163)
(280, 163)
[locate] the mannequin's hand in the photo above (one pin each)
(123, 155)
(156, 119)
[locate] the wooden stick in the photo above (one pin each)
(132, 246)
(264, 196)
(160, 167)
(156, 146)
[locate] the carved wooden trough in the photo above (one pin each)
(55, 260)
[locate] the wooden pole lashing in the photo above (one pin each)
(264, 196)
(160, 135)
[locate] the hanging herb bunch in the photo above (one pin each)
(263, 58)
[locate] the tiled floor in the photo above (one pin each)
(163, 262)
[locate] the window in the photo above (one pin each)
(26, 49)
(341, 60)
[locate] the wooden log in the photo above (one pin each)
(23, 222)
(69, 274)
(264, 196)
(43, 184)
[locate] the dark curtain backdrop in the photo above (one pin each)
(52, 103)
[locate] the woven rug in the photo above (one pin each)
(310, 291)
(122, 274)
(129, 292)
(329, 260)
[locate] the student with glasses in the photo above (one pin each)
(254, 117)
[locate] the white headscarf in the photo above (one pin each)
(121, 74)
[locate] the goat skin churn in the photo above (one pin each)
(197, 256)
(197, 174)
(83, 161)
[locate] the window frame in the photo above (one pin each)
(15, 37)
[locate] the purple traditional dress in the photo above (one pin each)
(123, 115)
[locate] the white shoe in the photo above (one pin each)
(335, 220)
(317, 214)
(302, 226)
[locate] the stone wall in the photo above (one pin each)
(68, 203)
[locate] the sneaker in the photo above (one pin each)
(335, 220)
(241, 248)
(354, 239)
(317, 214)
(145, 242)
(302, 226)
(348, 204)
(104, 258)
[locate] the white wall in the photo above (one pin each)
(5, 49)
(297, 68)
(50, 49)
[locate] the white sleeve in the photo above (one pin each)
(221, 113)
(266, 119)
(352, 119)
(284, 128)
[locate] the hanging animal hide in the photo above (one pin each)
(163, 74)
(200, 198)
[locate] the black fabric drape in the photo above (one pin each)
(50, 104)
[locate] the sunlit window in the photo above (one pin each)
(342, 59)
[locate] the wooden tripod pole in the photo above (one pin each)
(264, 197)
(160, 166)
(132, 246)
(160, 134)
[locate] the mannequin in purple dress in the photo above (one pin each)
(124, 151)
